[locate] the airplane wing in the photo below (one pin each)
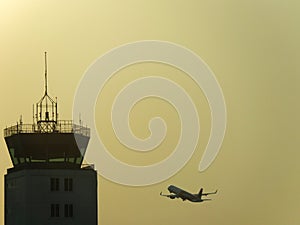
(169, 196)
(210, 193)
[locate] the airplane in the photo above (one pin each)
(184, 195)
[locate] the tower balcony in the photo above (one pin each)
(60, 126)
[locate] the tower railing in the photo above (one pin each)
(60, 126)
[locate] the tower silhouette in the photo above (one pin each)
(48, 184)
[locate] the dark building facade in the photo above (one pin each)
(51, 197)
(48, 185)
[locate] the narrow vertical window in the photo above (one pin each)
(52, 214)
(68, 183)
(54, 210)
(54, 184)
(68, 210)
(57, 210)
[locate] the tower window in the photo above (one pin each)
(68, 210)
(54, 184)
(68, 184)
(54, 210)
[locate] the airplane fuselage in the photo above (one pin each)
(176, 192)
(184, 195)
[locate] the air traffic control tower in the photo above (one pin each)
(48, 185)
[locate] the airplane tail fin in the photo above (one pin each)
(200, 192)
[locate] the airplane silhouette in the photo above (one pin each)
(184, 195)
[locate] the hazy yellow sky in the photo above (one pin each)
(253, 48)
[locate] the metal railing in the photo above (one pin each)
(60, 126)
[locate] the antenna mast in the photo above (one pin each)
(46, 73)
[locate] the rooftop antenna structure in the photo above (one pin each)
(46, 109)
(47, 142)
